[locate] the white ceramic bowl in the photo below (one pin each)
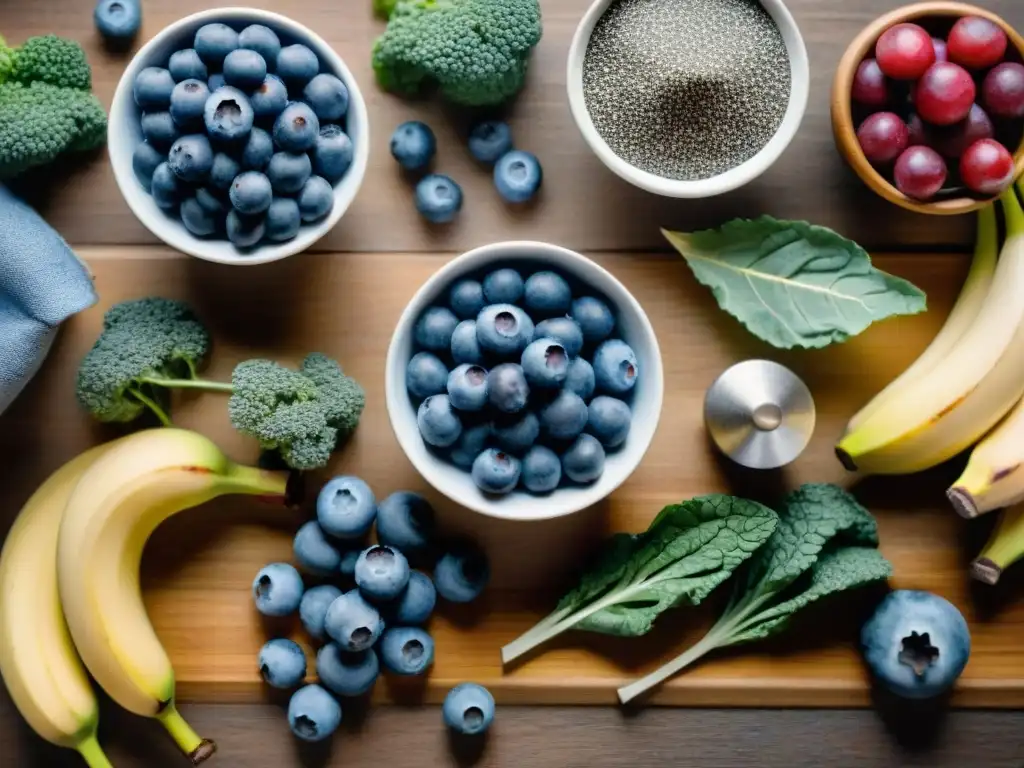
(124, 133)
(724, 182)
(633, 327)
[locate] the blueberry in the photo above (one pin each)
(197, 220)
(518, 434)
(261, 39)
(462, 572)
(228, 115)
(145, 159)
(283, 219)
(282, 663)
(467, 387)
(211, 203)
(413, 145)
(191, 157)
(405, 521)
(288, 172)
(465, 347)
(468, 709)
(296, 128)
(245, 231)
(547, 294)
(277, 589)
(407, 650)
(425, 375)
(223, 171)
(916, 644)
(438, 198)
(580, 378)
(250, 193)
(469, 445)
(353, 623)
(608, 420)
(313, 714)
(270, 98)
(313, 608)
(152, 89)
(382, 572)
(314, 552)
(494, 471)
(186, 65)
(504, 329)
(328, 97)
(118, 21)
(438, 423)
(507, 387)
(316, 199)
(159, 129)
(332, 154)
(583, 461)
(258, 150)
(565, 416)
(244, 69)
(545, 364)
(214, 42)
(346, 507)
(297, 65)
(504, 286)
(466, 298)
(517, 176)
(166, 188)
(542, 471)
(434, 329)
(490, 140)
(565, 331)
(215, 81)
(615, 367)
(414, 606)
(347, 674)
(348, 562)
(594, 318)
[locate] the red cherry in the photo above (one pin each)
(870, 86)
(1003, 90)
(953, 140)
(883, 136)
(944, 94)
(977, 43)
(920, 173)
(918, 133)
(905, 51)
(987, 167)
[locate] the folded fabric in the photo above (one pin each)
(42, 283)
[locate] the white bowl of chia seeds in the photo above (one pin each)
(688, 98)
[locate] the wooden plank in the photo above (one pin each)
(809, 182)
(199, 566)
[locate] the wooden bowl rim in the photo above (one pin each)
(842, 110)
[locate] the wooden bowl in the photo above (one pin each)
(842, 109)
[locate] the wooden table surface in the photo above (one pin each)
(584, 207)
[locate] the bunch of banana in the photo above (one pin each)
(70, 578)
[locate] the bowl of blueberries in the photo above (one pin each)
(238, 136)
(524, 381)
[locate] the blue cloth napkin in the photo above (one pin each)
(42, 283)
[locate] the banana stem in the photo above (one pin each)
(1013, 212)
(253, 481)
(93, 754)
(197, 749)
(1004, 548)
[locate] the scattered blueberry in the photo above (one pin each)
(152, 89)
(608, 420)
(277, 589)
(507, 388)
(413, 145)
(259, 148)
(313, 714)
(245, 231)
(517, 176)
(282, 663)
(916, 644)
(353, 623)
(215, 81)
(382, 572)
(462, 573)
(438, 198)
(314, 552)
(542, 471)
(504, 286)
(489, 140)
(426, 375)
(191, 157)
(346, 507)
(328, 97)
(565, 416)
(332, 153)
(316, 199)
(313, 609)
(518, 434)
(565, 331)
(228, 115)
(545, 363)
(297, 65)
(250, 193)
(145, 159)
(547, 294)
(583, 461)
(494, 471)
(244, 69)
(580, 378)
(434, 329)
(347, 674)
(467, 387)
(468, 709)
(159, 129)
(504, 329)
(407, 650)
(405, 521)
(223, 171)
(414, 606)
(466, 298)
(118, 21)
(469, 445)
(261, 39)
(269, 98)
(465, 347)
(615, 367)
(594, 318)
(166, 187)
(283, 219)
(214, 42)
(438, 423)
(296, 128)
(288, 172)
(186, 65)
(197, 219)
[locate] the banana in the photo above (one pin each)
(965, 311)
(1004, 547)
(963, 396)
(994, 476)
(119, 501)
(38, 661)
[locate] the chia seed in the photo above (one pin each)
(686, 89)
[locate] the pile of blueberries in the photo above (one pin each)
(381, 620)
(505, 377)
(517, 173)
(244, 137)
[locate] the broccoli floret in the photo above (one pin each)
(384, 8)
(475, 51)
(341, 395)
(54, 60)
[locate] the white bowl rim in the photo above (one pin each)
(396, 395)
(121, 162)
(732, 179)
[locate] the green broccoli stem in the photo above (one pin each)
(150, 403)
(203, 384)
